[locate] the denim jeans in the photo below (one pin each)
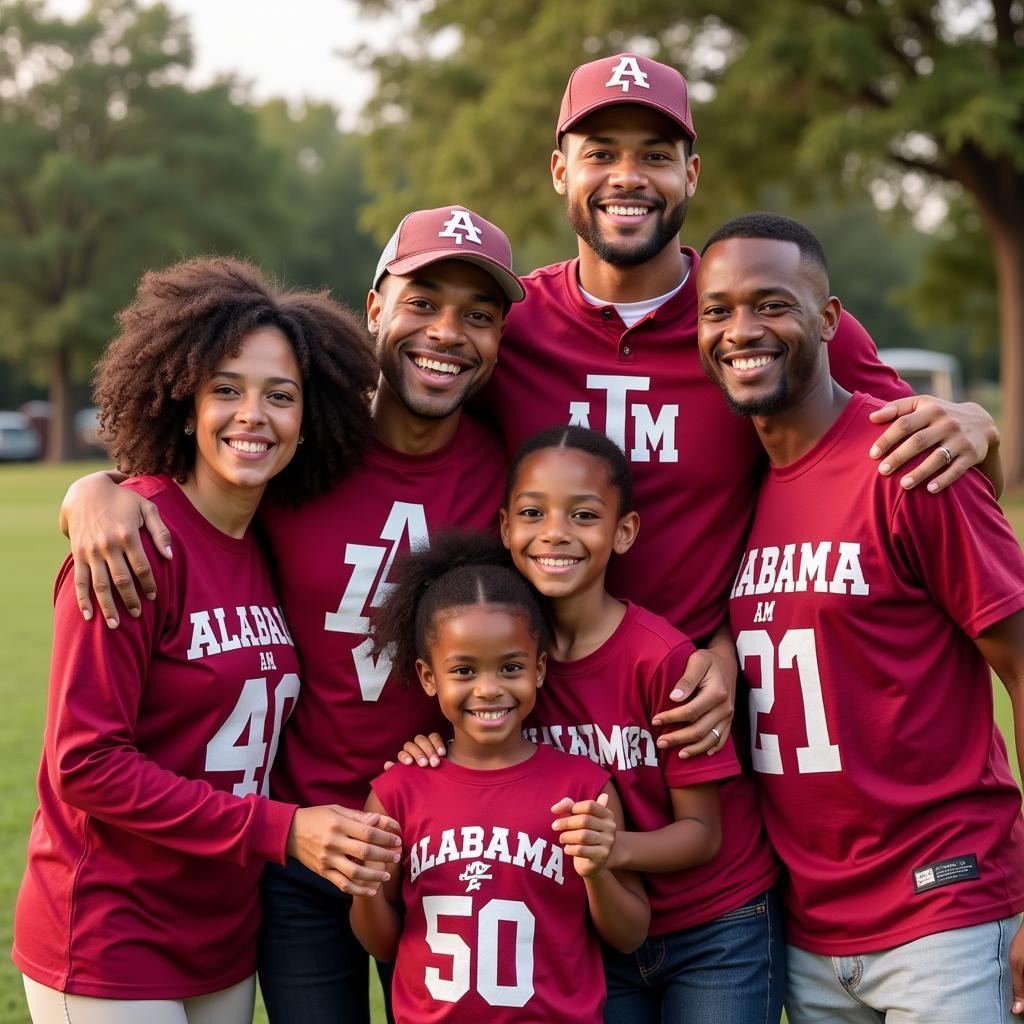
(960, 976)
(729, 971)
(312, 969)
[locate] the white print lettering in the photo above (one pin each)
(460, 226)
(797, 646)
(240, 744)
(765, 611)
(475, 873)
(627, 72)
(369, 582)
(625, 746)
(479, 844)
(650, 432)
(453, 946)
(766, 571)
(265, 628)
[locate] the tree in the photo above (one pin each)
(108, 166)
(899, 97)
(322, 244)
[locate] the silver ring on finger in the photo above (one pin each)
(718, 735)
(946, 453)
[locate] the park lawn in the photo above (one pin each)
(31, 553)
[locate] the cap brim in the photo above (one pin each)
(509, 283)
(635, 101)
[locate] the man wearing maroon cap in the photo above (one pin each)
(440, 295)
(608, 340)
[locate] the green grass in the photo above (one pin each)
(31, 549)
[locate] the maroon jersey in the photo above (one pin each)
(153, 824)
(601, 707)
(496, 920)
(333, 557)
(885, 783)
(696, 465)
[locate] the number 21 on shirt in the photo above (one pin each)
(796, 650)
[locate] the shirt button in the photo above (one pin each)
(606, 313)
(625, 350)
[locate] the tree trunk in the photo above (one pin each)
(60, 442)
(1008, 250)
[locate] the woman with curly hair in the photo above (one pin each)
(141, 900)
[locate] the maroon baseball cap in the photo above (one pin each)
(625, 78)
(450, 233)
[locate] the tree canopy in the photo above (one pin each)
(108, 166)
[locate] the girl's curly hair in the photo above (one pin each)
(188, 318)
(459, 569)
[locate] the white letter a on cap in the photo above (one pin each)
(626, 69)
(460, 226)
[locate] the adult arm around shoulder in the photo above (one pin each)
(103, 522)
(707, 695)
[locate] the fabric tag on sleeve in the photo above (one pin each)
(946, 872)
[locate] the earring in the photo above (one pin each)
(301, 439)
(189, 430)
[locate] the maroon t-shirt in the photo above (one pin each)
(153, 824)
(884, 780)
(601, 707)
(333, 557)
(497, 925)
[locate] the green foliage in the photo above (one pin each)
(320, 245)
(954, 288)
(109, 166)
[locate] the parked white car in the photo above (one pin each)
(19, 440)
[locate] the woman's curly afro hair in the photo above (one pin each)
(186, 320)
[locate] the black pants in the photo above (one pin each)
(312, 969)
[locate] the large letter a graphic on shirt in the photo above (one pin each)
(369, 580)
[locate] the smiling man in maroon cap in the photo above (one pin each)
(608, 340)
(442, 289)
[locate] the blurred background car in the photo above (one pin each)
(19, 440)
(927, 372)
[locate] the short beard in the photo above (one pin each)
(667, 229)
(391, 365)
(769, 405)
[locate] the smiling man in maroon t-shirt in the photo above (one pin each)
(866, 619)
